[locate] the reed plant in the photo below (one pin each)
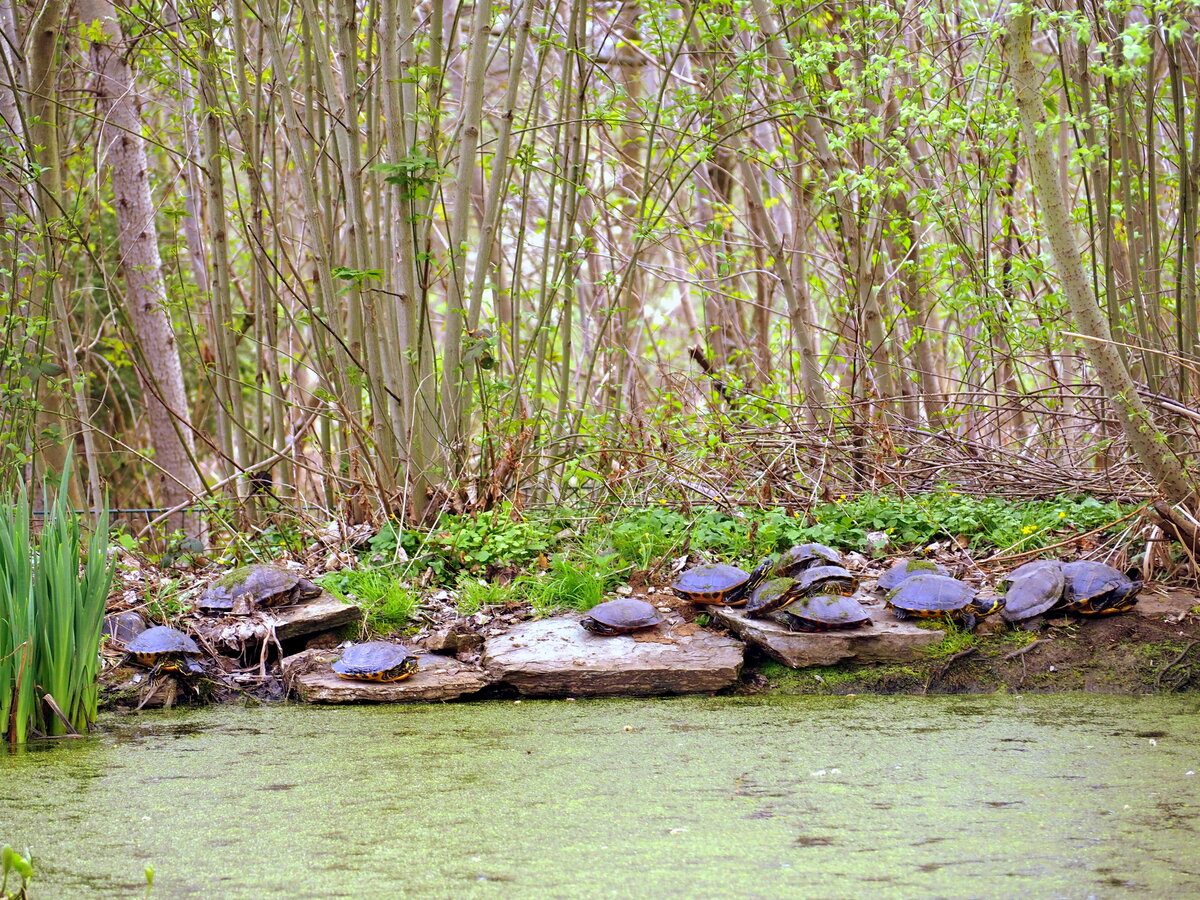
(52, 592)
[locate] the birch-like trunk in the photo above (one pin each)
(166, 402)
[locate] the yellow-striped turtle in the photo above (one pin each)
(164, 649)
(777, 593)
(376, 661)
(719, 584)
(1096, 589)
(250, 587)
(906, 568)
(620, 616)
(939, 596)
(805, 556)
(823, 612)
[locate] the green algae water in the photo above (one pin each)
(996, 796)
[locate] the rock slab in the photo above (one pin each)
(323, 613)
(888, 640)
(557, 658)
(440, 678)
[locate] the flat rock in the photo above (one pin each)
(323, 613)
(557, 658)
(887, 640)
(439, 678)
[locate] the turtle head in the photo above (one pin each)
(760, 573)
(985, 606)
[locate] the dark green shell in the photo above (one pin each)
(826, 580)
(255, 586)
(772, 594)
(1032, 589)
(1096, 589)
(823, 612)
(161, 639)
(165, 649)
(906, 568)
(620, 616)
(376, 661)
(804, 556)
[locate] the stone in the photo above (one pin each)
(556, 657)
(887, 640)
(452, 640)
(323, 613)
(309, 676)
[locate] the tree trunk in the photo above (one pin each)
(1147, 442)
(118, 110)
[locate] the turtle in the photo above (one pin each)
(940, 596)
(719, 584)
(376, 661)
(1096, 589)
(165, 649)
(772, 594)
(784, 590)
(823, 612)
(890, 580)
(620, 616)
(804, 556)
(1032, 589)
(246, 589)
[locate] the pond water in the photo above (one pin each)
(1051, 796)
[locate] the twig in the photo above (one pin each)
(940, 673)
(1022, 651)
(1068, 541)
(1173, 663)
(53, 704)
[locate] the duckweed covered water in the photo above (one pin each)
(1060, 796)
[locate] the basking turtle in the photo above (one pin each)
(826, 580)
(823, 612)
(804, 556)
(165, 649)
(890, 580)
(939, 596)
(246, 589)
(1096, 589)
(772, 594)
(376, 661)
(620, 616)
(719, 584)
(1032, 589)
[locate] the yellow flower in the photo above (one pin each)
(953, 493)
(1028, 529)
(1062, 514)
(662, 500)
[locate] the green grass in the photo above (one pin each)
(569, 584)
(475, 594)
(388, 603)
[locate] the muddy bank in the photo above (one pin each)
(1153, 649)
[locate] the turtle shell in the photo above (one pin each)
(165, 649)
(161, 639)
(804, 556)
(1032, 589)
(1096, 589)
(772, 594)
(826, 580)
(255, 586)
(376, 661)
(123, 627)
(621, 615)
(905, 568)
(823, 612)
(718, 584)
(939, 596)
